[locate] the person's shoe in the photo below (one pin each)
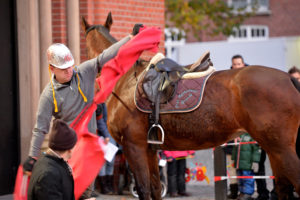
(183, 194)
(234, 188)
(103, 185)
(94, 194)
(173, 194)
(245, 197)
(262, 197)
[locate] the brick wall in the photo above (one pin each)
(124, 13)
(59, 28)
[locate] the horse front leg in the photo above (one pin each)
(154, 175)
(137, 158)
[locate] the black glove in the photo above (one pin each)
(28, 164)
(136, 29)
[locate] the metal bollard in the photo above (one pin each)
(220, 170)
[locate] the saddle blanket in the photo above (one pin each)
(187, 97)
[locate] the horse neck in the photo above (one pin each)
(128, 81)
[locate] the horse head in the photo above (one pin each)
(98, 37)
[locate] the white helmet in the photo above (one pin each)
(60, 56)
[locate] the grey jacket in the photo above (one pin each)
(69, 100)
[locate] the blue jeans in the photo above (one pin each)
(108, 167)
(246, 186)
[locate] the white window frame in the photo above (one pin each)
(262, 9)
(248, 30)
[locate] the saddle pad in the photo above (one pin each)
(188, 96)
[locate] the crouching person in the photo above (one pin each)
(52, 176)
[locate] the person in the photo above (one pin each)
(237, 61)
(52, 176)
(246, 158)
(295, 72)
(105, 177)
(70, 89)
(263, 192)
(176, 165)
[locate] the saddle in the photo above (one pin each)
(160, 83)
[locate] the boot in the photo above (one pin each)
(97, 184)
(103, 185)
(245, 197)
(233, 191)
(110, 181)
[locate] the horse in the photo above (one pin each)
(255, 99)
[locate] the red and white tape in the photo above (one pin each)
(221, 178)
(237, 143)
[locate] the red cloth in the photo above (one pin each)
(147, 39)
(21, 185)
(88, 156)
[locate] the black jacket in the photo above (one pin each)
(51, 179)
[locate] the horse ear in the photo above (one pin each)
(109, 21)
(84, 24)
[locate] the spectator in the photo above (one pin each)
(52, 176)
(105, 178)
(263, 192)
(176, 172)
(246, 158)
(237, 61)
(295, 72)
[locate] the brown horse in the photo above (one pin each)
(255, 99)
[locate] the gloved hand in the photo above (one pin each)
(255, 167)
(28, 164)
(136, 29)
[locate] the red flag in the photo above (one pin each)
(21, 185)
(88, 156)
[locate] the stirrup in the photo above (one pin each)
(150, 139)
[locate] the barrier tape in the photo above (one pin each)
(221, 178)
(237, 143)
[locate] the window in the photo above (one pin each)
(262, 6)
(250, 32)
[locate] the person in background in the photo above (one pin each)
(105, 178)
(295, 72)
(246, 158)
(176, 165)
(237, 61)
(263, 192)
(52, 176)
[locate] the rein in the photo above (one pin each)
(135, 76)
